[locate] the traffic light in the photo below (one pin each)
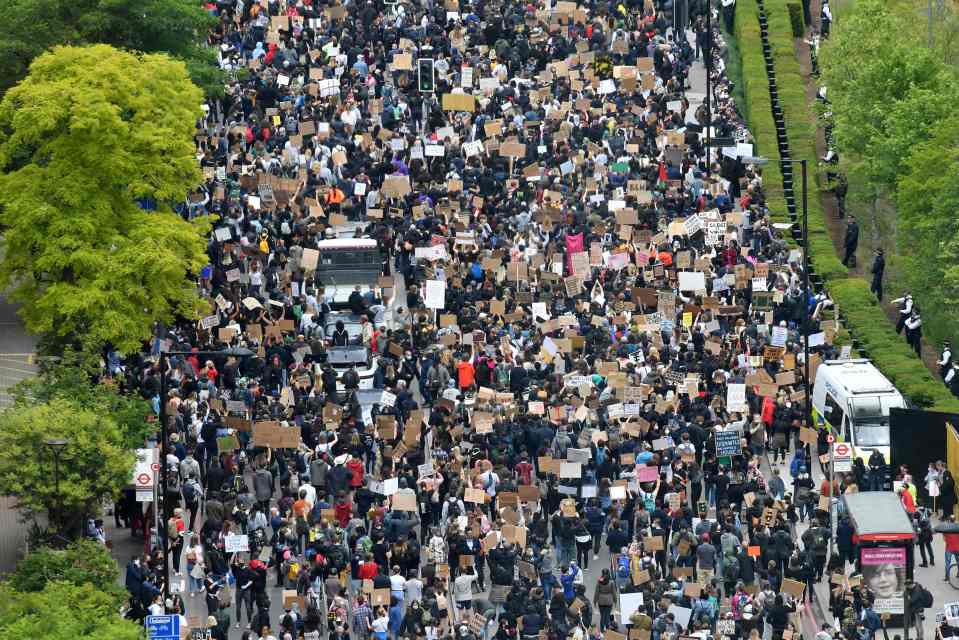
(426, 77)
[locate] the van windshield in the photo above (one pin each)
(871, 433)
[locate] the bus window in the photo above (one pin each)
(353, 259)
(834, 413)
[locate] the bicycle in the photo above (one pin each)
(953, 576)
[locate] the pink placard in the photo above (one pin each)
(645, 473)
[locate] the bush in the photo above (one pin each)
(63, 611)
(795, 18)
(83, 562)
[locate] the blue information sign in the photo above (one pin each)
(163, 627)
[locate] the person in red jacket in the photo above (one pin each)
(465, 374)
(907, 501)
(368, 569)
(355, 467)
(952, 548)
(343, 510)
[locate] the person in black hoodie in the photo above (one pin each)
(747, 566)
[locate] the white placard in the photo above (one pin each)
(235, 543)
(779, 336)
(692, 281)
(435, 296)
(629, 603)
(736, 397)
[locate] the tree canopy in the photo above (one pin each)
(153, 26)
(88, 132)
(95, 464)
(75, 378)
(876, 80)
(63, 611)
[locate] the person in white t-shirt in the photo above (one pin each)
(397, 584)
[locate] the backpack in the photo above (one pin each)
(293, 570)
(622, 566)
(924, 598)
(819, 541)
(189, 493)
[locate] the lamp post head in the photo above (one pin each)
(56, 443)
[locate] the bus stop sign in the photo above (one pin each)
(842, 457)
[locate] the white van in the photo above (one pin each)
(853, 399)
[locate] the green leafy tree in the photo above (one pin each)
(63, 611)
(94, 465)
(74, 378)
(869, 66)
(176, 27)
(90, 131)
(927, 201)
(82, 562)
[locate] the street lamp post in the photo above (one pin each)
(708, 60)
(237, 352)
(56, 446)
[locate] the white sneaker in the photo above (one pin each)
(595, 557)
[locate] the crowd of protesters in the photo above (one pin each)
(613, 374)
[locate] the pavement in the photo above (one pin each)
(17, 350)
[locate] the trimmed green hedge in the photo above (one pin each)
(758, 109)
(863, 316)
(801, 129)
(887, 348)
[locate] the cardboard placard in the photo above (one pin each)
(459, 102)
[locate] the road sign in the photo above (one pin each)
(842, 457)
(143, 468)
(163, 627)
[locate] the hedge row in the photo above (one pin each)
(887, 349)
(863, 316)
(801, 129)
(758, 109)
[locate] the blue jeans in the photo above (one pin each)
(711, 495)
(547, 580)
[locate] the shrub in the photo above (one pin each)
(795, 18)
(83, 562)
